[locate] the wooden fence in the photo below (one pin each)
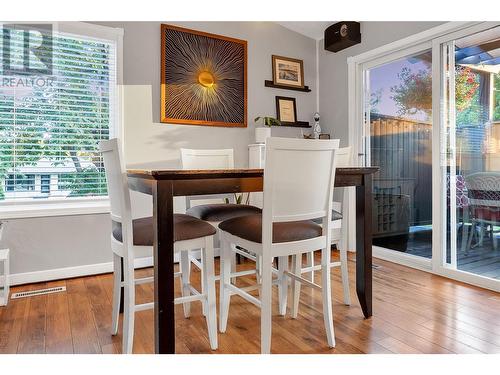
(403, 150)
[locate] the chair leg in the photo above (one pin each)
(129, 309)
(472, 234)
(283, 284)
(6, 281)
(258, 269)
(296, 268)
(310, 263)
(327, 296)
(209, 281)
(233, 262)
(185, 266)
(481, 234)
(203, 286)
(266, 306)
(117, 281)
(344, 270)
(465, 231)
(225, 279)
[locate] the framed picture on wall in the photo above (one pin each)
(203, 78)
(288, 71)
(286, 109)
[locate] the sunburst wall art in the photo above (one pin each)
(203, 78)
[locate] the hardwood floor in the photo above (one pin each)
(414, 312)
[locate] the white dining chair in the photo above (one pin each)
(133, 238)
(339, 238)
(298, 187)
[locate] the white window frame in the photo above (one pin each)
(356, 136)
(84, 205)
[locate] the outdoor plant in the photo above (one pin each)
(414, 93)
(466, 86)
(268, 120)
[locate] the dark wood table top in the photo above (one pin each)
(182, 174)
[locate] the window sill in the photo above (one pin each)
(27, 210)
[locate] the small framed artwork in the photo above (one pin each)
(288, 71)
(286, 110)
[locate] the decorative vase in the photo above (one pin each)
(262, 133)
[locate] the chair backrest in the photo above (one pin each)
(484, 189)
(344, 157)
(207, 159)
(118, 190)
(298, 179)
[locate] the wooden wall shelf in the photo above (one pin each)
(298, 124)
(271, 84)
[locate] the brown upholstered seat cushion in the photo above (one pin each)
(221, 212)
(335, 216)
(185, 228)
(250, 228)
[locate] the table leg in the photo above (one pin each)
(163, 221)
(364, 245)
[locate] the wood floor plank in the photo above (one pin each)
(58, 339)
(83, 330)
(101, 313)
(398, 347)
(12, 322)
(32, 337)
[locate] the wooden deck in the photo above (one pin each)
(480, 260)
(414, 312)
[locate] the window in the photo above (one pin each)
(51, 122)
(19, 182)
(45, 183)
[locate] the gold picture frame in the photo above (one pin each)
(288, 71)
(197, 86)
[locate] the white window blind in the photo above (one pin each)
(50, 125)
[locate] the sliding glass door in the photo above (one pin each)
(470, 154)
(398, 123)
(427, 112)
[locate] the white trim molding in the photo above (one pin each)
(70, 272)
(422, 37)
(56, 207)
(413, 261)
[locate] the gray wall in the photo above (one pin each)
(333, 70)
(39, 244)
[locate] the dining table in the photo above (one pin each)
(165, 184)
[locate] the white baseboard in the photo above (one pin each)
(60, 273)
(413, 261)
(78, 271)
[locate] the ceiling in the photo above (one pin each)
(312, 29)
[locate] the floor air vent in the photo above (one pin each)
(38, 292)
